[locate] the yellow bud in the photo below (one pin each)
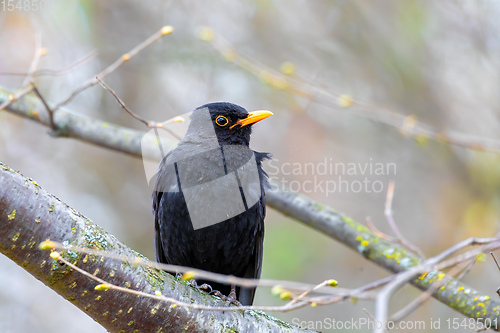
(43, 51)
(287, 68)
(345, 101)
(166, 30)
(55, 255)
(481, 257)
(333, 283)
(136, 262)
(286, 295)
(46, 245)
(178, 119)
(11, 97)
(266, 77)
(125, 57)
(229, 54)
(173, 306)
(207, 34)
(280, 83)
(421, 140)
(277, 290)
(102, 287)
(158, 293)
(12, 215)
(409, 122)
(188, 275)
(314, 304)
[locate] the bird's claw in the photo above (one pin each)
(204, 286)
(231, 298)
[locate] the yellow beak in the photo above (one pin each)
(253, 117)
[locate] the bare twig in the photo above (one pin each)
(390, 219)
(120, 61)
(192, 272)
(54, 72)
(47, 107)
(369, 314)
(15, 97)
(379, 233)
(307, 292)
(148, 123)
(105, 285)
(496, 262)
(467, 269)
(39, 52)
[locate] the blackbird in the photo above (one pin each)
(209, 198)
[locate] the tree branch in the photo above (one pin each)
(30, 215)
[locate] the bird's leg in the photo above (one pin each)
(232, 294)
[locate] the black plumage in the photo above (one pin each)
(193, 189)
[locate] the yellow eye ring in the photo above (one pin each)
(221, 121)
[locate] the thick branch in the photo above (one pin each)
(389, 255)
(30, 215)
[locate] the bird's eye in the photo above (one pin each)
(221, 121)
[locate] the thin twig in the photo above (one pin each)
(307, 292)
(467, 269)
(36, 59)
(379, 233)
(55, 72)
(47, 107)
(105, 285)
(111, 68)
(369, 314)
(194, 273)
(496, 262)
(148, 123)
(390, 219)
(14, 98)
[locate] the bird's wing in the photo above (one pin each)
(161, 177)
(246, 295)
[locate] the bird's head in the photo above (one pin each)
(232, 123)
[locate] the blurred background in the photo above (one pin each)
(434, 61)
